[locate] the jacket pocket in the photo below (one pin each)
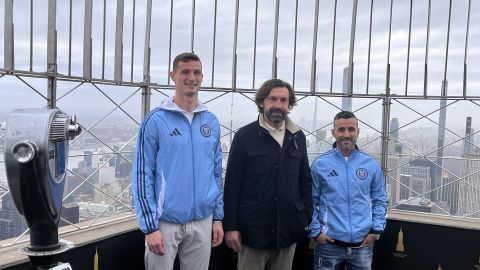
(256, 161)
(293, 162)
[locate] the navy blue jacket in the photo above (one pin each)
(268, 188)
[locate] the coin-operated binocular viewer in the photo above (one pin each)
(36, 152)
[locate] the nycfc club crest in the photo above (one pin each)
(205, 130)
(362, 173)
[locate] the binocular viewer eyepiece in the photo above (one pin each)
(36, 155)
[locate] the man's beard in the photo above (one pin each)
(277, 118)
(350, 146)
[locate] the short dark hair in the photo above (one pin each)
(267, 87)
(343, 115)
(185, 57)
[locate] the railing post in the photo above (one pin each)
(118, 64)
(386, 124)
(52, 55)
(275, 40)
(146, 90)
(8, 41)
(87, 40)
(352, 48)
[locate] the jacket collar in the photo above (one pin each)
(168, 104)
(289, 125)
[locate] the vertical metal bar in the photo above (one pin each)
(387, 81)
(255, 45)
(427, 45)
(146, 49)
(214, 43)
(133, 41)
(192, 39)
(295, 43)
(313, 71)
(408, 49)
(118, 73)
(333, 45)
(52, 54)
(70, 39)
(346, 100)
(8, 54)
(234, 73)
(51, 46)
(369, 44)
(87, 40)
(385, 130)
(448, 41)
(146, 98)
(235, 36)
(103, 38)
(466, 51)
(275, 39)
(231, 117)
(352, 47)
(170, 41)
(31, 35)
(146, 90)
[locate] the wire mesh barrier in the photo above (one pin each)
(408, 70)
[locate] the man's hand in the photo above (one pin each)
(217, 237)
(156, 243)
(234, 240)
(369, 240)
(324, 238)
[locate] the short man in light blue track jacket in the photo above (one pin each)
(349, 201)
(176, 179)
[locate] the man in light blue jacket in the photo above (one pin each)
(349, 201)
(176, 179)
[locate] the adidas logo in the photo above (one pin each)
(333, 173)
(175, 132)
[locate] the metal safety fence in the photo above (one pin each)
(408, 69)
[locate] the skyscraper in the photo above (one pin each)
(468, 146)
(437, 178)
(12, 224)
(416, 181)
(469, 185)
(394, 144)
(449, 193)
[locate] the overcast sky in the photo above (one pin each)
(12, 90)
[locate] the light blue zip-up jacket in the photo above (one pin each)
(349, 197)
(177, 168)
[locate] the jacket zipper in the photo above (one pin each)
(348, 196)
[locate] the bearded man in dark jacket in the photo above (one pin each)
(268, 190)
